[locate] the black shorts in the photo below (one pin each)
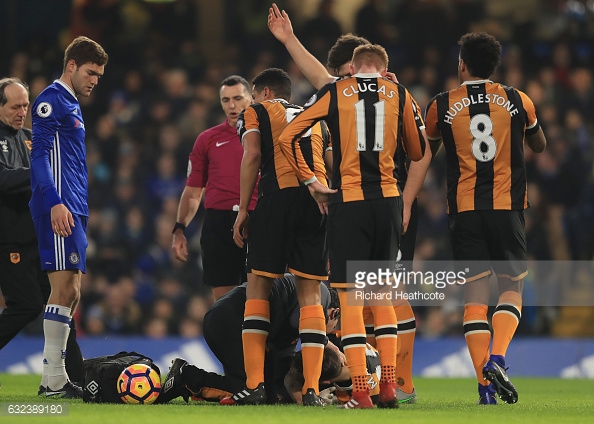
(366, 230)
(287, 232)
(488, 240)
(223, 262)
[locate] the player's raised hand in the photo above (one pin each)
(62, 220)
(279, 24)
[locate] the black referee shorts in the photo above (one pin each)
(223, 262)
(488, 240)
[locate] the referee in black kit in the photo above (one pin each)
(24, 285)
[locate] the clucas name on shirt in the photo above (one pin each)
(362, 87)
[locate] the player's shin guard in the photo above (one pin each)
(505, 321)
(478, 337)
(312, 332)
(353, 341)
(406, 338)
(386, 337)
(256, 325)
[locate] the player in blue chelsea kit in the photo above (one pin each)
(59, 200)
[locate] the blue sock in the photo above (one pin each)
(498, 359)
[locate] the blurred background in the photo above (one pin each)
(160, 90)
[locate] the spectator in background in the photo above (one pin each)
(166, 182)
(117, 312)
(213, 170)
(369, 22)
(319, 32)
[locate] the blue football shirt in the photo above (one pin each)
(58, 156)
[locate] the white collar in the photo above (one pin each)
(477, 82)
(67, 87)
(371, 75)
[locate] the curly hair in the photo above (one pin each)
(481, 52)
(342, 51)
(277, 80)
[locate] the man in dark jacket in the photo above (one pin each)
(222, 329)
(23, 284)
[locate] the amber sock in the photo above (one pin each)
(478, 337)
(386, 336)
(505, 321)
(353, 337)
(312, 332)
(360, 383)
(256, 325)
(407, 326)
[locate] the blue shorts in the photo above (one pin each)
(61, 253)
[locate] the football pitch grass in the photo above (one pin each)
(440, 401)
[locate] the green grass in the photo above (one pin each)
(440, 401)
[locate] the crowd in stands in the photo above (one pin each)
(159, 92)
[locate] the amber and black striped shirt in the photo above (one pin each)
(269, 118)
(369, 117)
(482, 125)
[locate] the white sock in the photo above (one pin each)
(56, 327)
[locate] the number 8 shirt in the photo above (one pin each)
(482, 125)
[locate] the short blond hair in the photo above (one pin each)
(370, 54)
